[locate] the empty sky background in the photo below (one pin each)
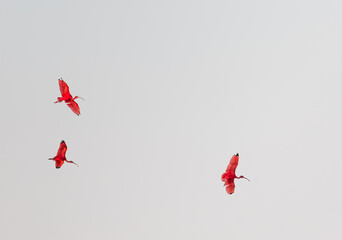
(173, 89)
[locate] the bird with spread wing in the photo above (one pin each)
(60, 157)
(229, 176)
(67, 98)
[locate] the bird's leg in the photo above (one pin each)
(71, 162)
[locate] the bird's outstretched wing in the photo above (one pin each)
(62, 150)
(59, 163)
(233, 164)
(230, 186)
(74, 107)
(64, 88)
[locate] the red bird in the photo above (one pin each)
(67, 98)
(60, 157)
(229, 176)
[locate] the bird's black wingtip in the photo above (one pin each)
(58, 167)
(237, 154)
(62, 141)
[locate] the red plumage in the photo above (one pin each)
(229, 176)
(74, 107)
(67, 98)
(60, 157)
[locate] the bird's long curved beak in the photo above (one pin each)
(247, 179)
(75, 164)
(72, 162)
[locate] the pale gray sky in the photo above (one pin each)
(173, 89)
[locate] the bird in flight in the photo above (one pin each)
(229, 176)
(60, 157)
(67, 98)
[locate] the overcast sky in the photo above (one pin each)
(172, 90)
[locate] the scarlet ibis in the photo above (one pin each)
(229, 176)
(60, 157)
(67, 98)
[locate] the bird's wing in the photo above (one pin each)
(59, 163)
(74, 107)
(232, 164)
(62, 150)
(64, 88)
(230, 186)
